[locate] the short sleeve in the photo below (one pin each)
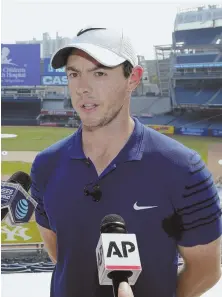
(199, 206)
(37, 192)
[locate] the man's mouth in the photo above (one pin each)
(89, 106)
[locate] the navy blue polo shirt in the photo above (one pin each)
(151, 170)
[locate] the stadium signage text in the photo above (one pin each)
(48, 70)
(54, 80)
(216, 132)
(16, 73)
(20, 64)
(163, 129)
(15, 234)
(192, 131)
(58, 112)
(52, 70)
(25, 233)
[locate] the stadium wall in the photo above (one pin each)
(20, 112)
(171, 130)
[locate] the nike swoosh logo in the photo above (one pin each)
(136, 207)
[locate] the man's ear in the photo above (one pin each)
(135, 77)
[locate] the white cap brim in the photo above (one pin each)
(103, 56)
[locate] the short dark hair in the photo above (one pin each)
(127, 68)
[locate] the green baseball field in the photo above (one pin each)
(31, 140)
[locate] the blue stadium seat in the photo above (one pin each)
(195, 58)
(191, 120)
(33, 268)
(157, 120)
(218, 99)
(149, 105)
(197, 36)
(13, 269)
(192, 96)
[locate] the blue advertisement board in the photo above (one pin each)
(48, 70)
(216, 132)
(192, 131)
(20, 64)
(50, 80)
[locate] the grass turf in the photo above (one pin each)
(38, 138)
(32, 138)
(199, 144)
(8, 168)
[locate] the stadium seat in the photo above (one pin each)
(34, 268)
(217, 99)
(157, 120)
(194, 96)
(197, 36)
(13, 269)
(198, 58)
(149, 105)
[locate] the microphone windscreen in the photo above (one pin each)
(4, 212)
(21, 178)
(113, 223)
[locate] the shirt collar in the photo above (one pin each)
(133, 149)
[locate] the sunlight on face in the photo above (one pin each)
(98, 93)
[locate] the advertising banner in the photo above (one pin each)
(163, 129)
(48, 70)
(58, 112)
(49, 124)
(216, 132)
(20, 64)
(192, 131)
(23, 234)
(54, 80)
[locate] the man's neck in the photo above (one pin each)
(107, 140)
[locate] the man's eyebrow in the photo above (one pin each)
(97, 67)
(72, 68)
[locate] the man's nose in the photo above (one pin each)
(83, 86)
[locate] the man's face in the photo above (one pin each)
(98, 94)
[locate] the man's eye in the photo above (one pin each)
(100, 73)
(73, 74)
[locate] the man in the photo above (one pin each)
(114, 164)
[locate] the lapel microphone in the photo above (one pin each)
(93, 191)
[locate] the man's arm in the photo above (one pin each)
(37, 192)
(49, 239)
(201, 270)
(200, 223)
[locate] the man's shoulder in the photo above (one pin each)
(166, 148)
(51, 153)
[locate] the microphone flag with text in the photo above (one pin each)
(117, 254)
(17, 206)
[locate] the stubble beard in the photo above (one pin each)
(105, 121)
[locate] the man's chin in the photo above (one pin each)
(92, 125)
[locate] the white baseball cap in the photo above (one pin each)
(107, 46)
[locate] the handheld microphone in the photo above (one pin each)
(117, 254)
(17, 206)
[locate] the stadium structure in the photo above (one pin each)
(190, 83)
(190, 69)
